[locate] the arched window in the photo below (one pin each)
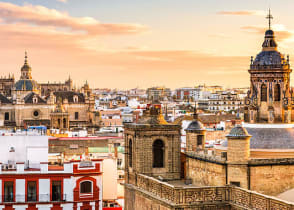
(130, 153)
(263, 92)
(75, 99)
(86, 187)
(277, 92)
(158, 153)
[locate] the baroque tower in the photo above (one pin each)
(269, 97)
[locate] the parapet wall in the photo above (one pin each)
(149, 192)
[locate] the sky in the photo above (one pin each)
(138, 43)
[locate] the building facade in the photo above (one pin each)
(33, 104)
(29, 182)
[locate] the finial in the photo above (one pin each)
(26, 57)
(269, 17)
(195, 115)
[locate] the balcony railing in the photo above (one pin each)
(55, 197)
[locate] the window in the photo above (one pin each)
(263, 92)
(158, 153)
(199, 140)
(86, 187)
(8, 192)
(36, 113)
(75, 99)
(130, 153)
(64, 123)
(6, 116)
(76, 115)
(35, 100)
(237, 184)
(56, 190)
(32, 191)
(277, 92)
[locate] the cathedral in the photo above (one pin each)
(60, 106)
(270, 96)
(247, 171)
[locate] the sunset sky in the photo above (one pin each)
(140, 43)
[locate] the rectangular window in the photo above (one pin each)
(56, 191)
(199, 140)
(31, 191)
(76, 115)
(237, 184)
(8, 192)
(6, 116)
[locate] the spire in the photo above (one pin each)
(269, 43)
(195, 115)
(269, 17)
(26, 58)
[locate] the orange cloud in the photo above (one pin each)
(281, 35)
(42, 16)
(243, 12)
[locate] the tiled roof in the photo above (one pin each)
(69, 95)
(270, 138)
(28, 99)
(4, 100)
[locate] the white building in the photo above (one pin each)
(27, 181)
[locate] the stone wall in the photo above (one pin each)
(271, 178)
(218, 134)
(267, 176)
(148, 193)
(204, 173)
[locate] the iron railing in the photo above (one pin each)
(55, 197)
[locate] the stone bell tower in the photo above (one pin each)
(195, 134)
(153, 147)
(269, 98)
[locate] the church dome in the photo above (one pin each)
(26, 85)
(195, 125)
(269, 58)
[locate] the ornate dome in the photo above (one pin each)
(26, 85)
(269, 58)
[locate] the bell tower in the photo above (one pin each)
(153, 146)
(26, 71)
(269, 98)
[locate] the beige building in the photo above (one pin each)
(28, 106)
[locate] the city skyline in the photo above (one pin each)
(122, 45)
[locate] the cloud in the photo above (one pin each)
(63, 1)
(243, 12)
(42, 16)
(281, 33)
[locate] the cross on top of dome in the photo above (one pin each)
(269, 17)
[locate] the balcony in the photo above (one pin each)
(57, 197)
